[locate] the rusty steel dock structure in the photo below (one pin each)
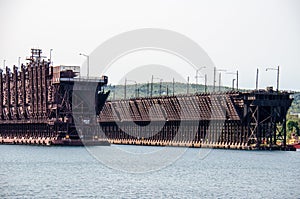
(231, 120)
(37, 102)
(42, 104)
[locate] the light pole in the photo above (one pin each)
(128, 80)
(51, 56)
(188, 85)
(160, 82)
(4, 64)
(125, 88)
(256, 85)
(237, 78)
(277, 76)
(220, 77)
(151, 89)
(197, 73)
(19, 61)
(173, 85)
(198, 76)
(88, 62)
(114, 94)
(152, 78)
(233, 84)
(148, 89)
(214, 83)
(205, 83)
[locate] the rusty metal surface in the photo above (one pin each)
(38, 101)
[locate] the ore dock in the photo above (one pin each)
(37, 104)
(42, 104)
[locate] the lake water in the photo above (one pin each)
(68, 172)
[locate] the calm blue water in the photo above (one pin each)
(68, 172)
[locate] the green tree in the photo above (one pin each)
(293, 127)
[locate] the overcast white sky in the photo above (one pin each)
(236, 34)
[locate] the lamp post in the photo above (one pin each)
(88, 62)
(220, 77)
(214, 83)
(173, 85)
(128, 80)
(233, 84)
(125, 88)
(277, 89)
(198, 76)
(205, 82)
(197, 73)
(19, 61)
(151, 89)
(237, 78)
(51, 56)
(160, 83)
(152, 78)
(114, 94)
(188, 85)
(256, 85)
(4, 64)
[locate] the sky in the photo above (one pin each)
(236, 34)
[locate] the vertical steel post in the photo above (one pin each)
(188, 85)
(220, 82)
(151, 89)
(214, 83)
(233, 84)
(160, 87)
(257, 71)
(277, 79)
(125, 88)
(173, 86)
(205, 86)
(237, 80)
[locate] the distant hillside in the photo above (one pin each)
(164, 89)
(295, 108)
